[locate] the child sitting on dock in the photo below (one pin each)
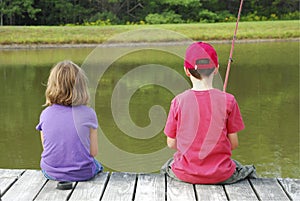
(202, 126)
(68, 127)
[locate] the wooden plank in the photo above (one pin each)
(292, 187)
(49, 192)
(241, 190)
(90, 190)
(210, 192)
(150, 187)
(26, 187)
(178, 191)
(120, 187)
(7, 178)
(269, 189)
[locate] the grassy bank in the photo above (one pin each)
(99, 34)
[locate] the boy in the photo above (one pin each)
(202, 126)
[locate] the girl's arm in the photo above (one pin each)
(93, 142)
(172, 143)
(233, 138)
(42, 139)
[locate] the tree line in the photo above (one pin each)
(105, 12)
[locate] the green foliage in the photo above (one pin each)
(141, 22)
(291, 16)
(155, 19)
(164, 18)
(97, 23)
(103, 12)
(180, 2)
(273, 16)
(105, 18)
(22, 8)
(251, 17)
(226, 16)
(208, 16)
(255, 17)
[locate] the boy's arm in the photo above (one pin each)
(93, 142)
(172, 143)
(234, 141)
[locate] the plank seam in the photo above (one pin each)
(70, 194)
(10, 185)
(16, 179)
(226, 194)
(135, 186)
(284, 190)
(166, 187)
(105, 185)
(254, 190)
(40, 189)
(195, 192)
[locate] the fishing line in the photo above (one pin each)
(232, 46)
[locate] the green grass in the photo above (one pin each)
(124, 33)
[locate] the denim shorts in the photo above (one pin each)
(47, 176)
(241, 172)
(98, 169)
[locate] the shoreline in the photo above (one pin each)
(130, 44)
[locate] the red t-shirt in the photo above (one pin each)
(200, 121)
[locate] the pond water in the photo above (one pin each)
(131, 94)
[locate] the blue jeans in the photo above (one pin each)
(241, 172)
(99, 169)
(47, 176)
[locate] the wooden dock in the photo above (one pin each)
(31, 185)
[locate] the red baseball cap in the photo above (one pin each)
(200, 55)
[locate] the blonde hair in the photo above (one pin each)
(67, 85)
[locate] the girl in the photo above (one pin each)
(68, 127)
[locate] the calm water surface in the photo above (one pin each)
(264, 79)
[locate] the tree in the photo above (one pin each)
(61, 12)
(170, 9)
(12, 8)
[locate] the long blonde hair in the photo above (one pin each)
(67, 85)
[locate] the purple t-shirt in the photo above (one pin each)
(66, 132)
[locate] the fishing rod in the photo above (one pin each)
(232, 46)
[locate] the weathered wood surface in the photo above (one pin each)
(179, 190)
(240, 191)
(91, 190)
(210, 192)
(269, 189)
(291, 187)
(150, 187)
(120, 187)
(27, 187)
(31, 185)
(7, 178)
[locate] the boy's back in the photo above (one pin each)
(200, 122)
(202, 126)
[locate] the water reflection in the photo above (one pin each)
(264, 78)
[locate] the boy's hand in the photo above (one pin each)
(233, 138)
(172, 143)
